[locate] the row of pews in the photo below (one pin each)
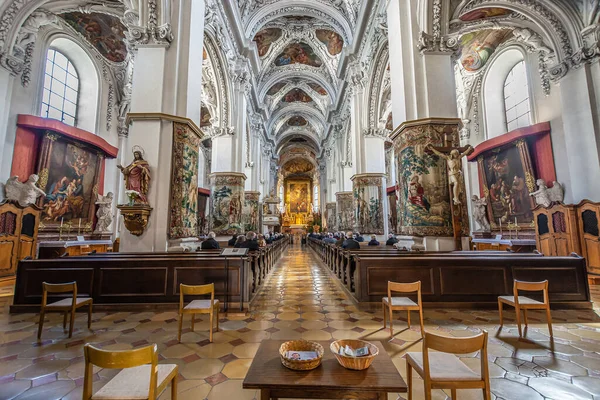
(147, 280)
(454, 279)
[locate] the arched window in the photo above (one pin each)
(61, 88)
(516, 98)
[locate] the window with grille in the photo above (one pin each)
(516, 98)
(61, 89)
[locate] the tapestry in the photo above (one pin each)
(345, 211)
(332, 40)
(105, 32)
(250, 216)
(69, 175)
(298, 196)
(265, 38)
(368, 204)
(423, 206)
(183, 220)
(226, 203)
(477, 48)
(298, 53)
(331, 216)
(508, 179)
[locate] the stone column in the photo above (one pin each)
(226, 202)
(345, 211)
(369, 203)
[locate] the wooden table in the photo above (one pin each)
(328, 381)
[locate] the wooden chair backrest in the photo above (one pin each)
(119, 360)
(455, 345)
(196, 290)
(530, 287)
(404, 288)
(58, 288)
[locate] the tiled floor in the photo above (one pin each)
(300, 300)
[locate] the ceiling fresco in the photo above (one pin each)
(298, 53)
(297, 121)
(105, 32)
(204, 117)
(298, 166)
(478, 47)
(297, 95)
(265, 38)
(276, 88)
(332, 40)
(484, 13)
(318, 88)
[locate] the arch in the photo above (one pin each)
(222, 117)
(378, 85)
(494, 112)
(287, 136)
(283, 75)
(310, 113)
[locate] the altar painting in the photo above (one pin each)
(508, 179)
(298, 196)
(69, 177)
(183, 221)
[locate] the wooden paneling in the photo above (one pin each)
(18, 238)
(377, 279)
(7, 253)
(473, 281)
(126, 282)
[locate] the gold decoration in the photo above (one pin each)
(43, 181)
(530, 182)
(135, 217)
(52, 136)
(95, 190)
(41, 226)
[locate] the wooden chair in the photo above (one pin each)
(402, 303)
(198, 306)
(142, 376)
(441, 369)
(526, 303)
(65, 306)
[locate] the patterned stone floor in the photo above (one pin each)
(300, 300)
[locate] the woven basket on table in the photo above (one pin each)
(301, 345)
(357, 363)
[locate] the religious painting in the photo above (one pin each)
(69, 176)
(508, 180)
(183, 220)
(477, 47)
(368, 204)
(345, 211)
(265, 38)
(276, 88)
(332, 40)
(318, 88)
(105, 32)
(226, 203)
(298, 53)
(204, 117)
(298, 196)
(423, 206)
(297, 121)
(297, 95)
(250, 216)
(483, 13)
(298, 166)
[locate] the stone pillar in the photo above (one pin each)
(330, 216)
(345, 211)
(369, 203)
(226, 202)
(6, 141)
(250, 216)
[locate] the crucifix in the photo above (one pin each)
(453, 156)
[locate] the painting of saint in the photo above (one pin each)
(332, 40)
(297, 95)
(298, 53)
(478, 47)
(71, 177)
(204, 117)
(483, 13)
(105, 32)
(297, 121)
(276, 88)
(265, 38)
(318, 88)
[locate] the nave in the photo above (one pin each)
(300, 300)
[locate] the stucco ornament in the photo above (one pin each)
(545, 196)
(104, 213)
(23, 193)
(480, 214)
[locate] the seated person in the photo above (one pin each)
(261, 241)
(373, 241)
(341, 240)
(210, 243)
(250, 242)
(391, 240)
(233, 240)
(358, 237)
(329, 239)
(350, 243)
(238, 243)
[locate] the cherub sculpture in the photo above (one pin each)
(23, 193)
(545, 196)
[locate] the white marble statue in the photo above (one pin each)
(480, 214)
(23, 193)
(104, 213)
(545, 196)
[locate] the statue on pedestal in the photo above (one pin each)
(104, 213)
(479, 213)
(23, 193)
(137, 175)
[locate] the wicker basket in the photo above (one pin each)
(301, 345)
(357, 363)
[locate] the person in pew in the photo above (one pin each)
(373, 241)
(341, 240)
(358, 237)
(391, 240)
(239, 241)
(329, 239)
(261, 241)
(233, 240)
(210, 243)
(250, 242)
(350, 243)
(269, 238)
